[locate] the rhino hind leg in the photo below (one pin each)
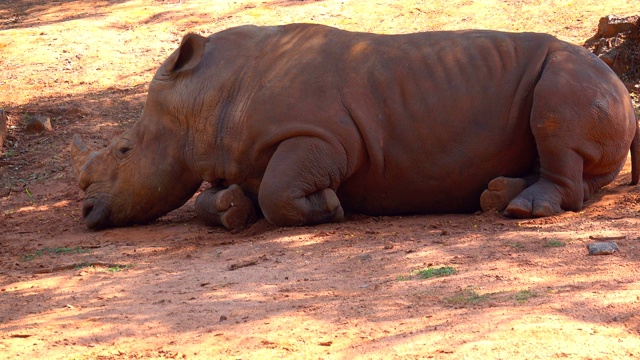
(228, 207)
(560, 185)
(579, 121)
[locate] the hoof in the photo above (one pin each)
(500, 192)
(523, 209)
(238, 209)
(229, 207)
(539, 200)
(333, 206)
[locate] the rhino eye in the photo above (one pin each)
(122, 151)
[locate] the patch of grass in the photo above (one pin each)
(63, 250)
(524, 295)
(433, 272)
(516, 245)
(54, 251)
(554, 243)
(27, 258)
(118, 268)
(467, 296)
(427, 273)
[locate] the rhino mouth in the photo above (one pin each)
(95, 214)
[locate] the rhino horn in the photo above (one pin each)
(79, 154)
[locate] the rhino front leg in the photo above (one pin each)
(228, 207)
(500, 192)
(299, 184)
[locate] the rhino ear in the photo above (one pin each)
(188, 55)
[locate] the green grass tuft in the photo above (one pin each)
(524, 295)
(554, 243)
(54, 251)
(435, 272)
(427, 273)
(118, 268)
(467, 296)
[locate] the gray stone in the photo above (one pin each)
(603, 248)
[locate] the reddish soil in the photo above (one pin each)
(179, 289)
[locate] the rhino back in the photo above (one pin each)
(446, 114)
(426, 120)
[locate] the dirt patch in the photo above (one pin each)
(360, 289)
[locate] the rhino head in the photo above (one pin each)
(144, 173)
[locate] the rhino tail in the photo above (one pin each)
(635, 156)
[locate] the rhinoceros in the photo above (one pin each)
(301, 123)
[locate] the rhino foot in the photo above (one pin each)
(228, 207)
(539, 200)
(332, 206)
(500, 192)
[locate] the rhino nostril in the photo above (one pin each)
(96, 214)
(87, 207)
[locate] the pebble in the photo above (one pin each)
(603, 248)
(365, 257)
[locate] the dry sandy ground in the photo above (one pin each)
(178, 289)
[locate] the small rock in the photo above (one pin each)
(603, 248)
(365, 257)
(388, 246)
(38, 124)
(223, 318)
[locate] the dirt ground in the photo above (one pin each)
(179, 289)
